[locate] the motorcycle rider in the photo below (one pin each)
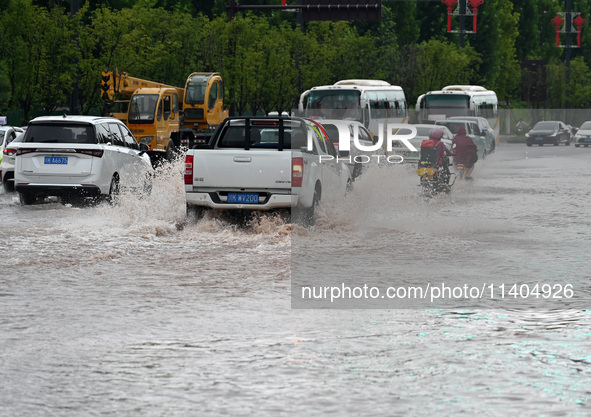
(522, 127)
(465, 151)
(442, 158)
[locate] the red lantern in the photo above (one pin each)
(450, 4)
(558, 21)
(475, 4)
(579, 22)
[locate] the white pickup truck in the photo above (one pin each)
(265, 163)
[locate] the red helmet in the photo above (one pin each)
(436, 134)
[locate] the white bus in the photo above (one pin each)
(367, 101)
(459, 100)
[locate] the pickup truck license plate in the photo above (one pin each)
(244, 198)
(56, 160)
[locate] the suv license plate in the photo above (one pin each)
(538, 138)
(244, 198)
(56, 160)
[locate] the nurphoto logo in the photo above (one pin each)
(392, 135)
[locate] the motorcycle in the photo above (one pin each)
(522, 129)
(460, 171)
(434, 180)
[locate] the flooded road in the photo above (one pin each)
(120, 310)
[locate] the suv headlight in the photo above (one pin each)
(147, 140)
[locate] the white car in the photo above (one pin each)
(423, 132)
(78, 156)
(355, 161)
(583, 135)
(7, 135)
(485, 130)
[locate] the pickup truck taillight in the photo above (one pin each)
(189, 169)
(297, 171)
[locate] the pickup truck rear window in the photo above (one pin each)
(262, 137)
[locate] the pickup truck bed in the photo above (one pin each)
(263, 163)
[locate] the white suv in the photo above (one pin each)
(78, 156)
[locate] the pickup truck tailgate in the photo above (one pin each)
(241, 169)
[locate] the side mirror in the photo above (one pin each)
(344, 154)
(375, 139)
(144, 147)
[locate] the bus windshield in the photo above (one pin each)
(143, 108)
(447, 101)
(334, 104)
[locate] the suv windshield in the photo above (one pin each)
(59, 133)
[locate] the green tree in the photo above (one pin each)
(442, 63)
(580, 84)
(505, 80)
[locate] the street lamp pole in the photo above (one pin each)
(568, 27)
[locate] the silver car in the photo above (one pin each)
(485, 130)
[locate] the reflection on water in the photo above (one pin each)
(130, 310)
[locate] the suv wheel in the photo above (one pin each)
(26, 198)
(114, 188)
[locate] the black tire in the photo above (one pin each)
(540, 144)
(170, 151)
(557, 142)
(195, 213)
(148, 184)
(356, 171)
(577, 145)
(528, 144)
(8, 182)
(26, 198)
(113, 189)
(307, 216)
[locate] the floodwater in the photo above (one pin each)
(128, 310)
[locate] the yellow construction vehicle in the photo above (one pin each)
(153, 112)
(150, 109)
(202, 107)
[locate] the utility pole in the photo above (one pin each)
(568, 19)
(462, 22)
(462, 11)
